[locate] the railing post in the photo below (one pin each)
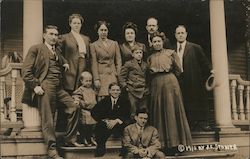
(248, 103)
(241, 104)
(13, 116)
(2, 98)
(233, 96)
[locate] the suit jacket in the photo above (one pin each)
(70, 51)
(133, 77)
(126, 51)
(149, 139)
(106, 63)
(103, 110)
(35, 68)
(196, 69)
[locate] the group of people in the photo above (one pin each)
(110, 88)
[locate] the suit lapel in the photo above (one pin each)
(72, 39)
(101, 45)
(134, 134)
(141, 68)
(46, 53)
(145, 135)
(186, 49)
(127, 47)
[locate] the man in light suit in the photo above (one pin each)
(195, 70)
(112, 115)
(141, 140)
(42, 73)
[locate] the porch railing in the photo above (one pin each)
(11, 90)
(240, 100)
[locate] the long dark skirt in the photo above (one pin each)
(167, 112)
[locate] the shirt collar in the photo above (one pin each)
(183, 44)
(74, 33)
(114, 99)
(48, 45)
(139, 127)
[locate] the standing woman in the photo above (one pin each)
(75, 48)
(105, 59)
(167, 112)
(130, 30)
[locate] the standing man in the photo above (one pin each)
(195, 70)
(42, 73)
(141, 140)
(112, 115)
(152, 27)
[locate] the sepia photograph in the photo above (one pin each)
(125, 79)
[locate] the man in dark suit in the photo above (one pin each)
(141, 140)
(112, 115)
(152, 27)
(195, 70)
(42, 73)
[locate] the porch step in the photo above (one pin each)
(206, 155)
(113, 147)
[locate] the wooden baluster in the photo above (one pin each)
(13, 115)
(2, 79)
(247, 103)
(233, 100)
(241, 104)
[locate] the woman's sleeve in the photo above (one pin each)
(94, 67)
(118, 59)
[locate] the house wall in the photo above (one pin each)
(194, 14)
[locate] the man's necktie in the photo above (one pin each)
(54, 52)
(140, 137)
(180, 48)
(114, 104)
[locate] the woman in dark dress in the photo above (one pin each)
(166, 108)
(130, 30)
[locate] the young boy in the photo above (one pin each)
(85, 96)
(133, 79)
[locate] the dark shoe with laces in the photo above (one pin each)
(100, 151)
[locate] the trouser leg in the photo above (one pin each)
(102, 133)
(46, 105)
(72, 115)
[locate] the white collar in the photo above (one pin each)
(139, 127)
(74, 33)
(48, 45)
(183, 44)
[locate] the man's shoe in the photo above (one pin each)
(75, 144)
(52, 153)
(100, 151)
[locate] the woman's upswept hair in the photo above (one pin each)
(72, 16)
(101, 22)
(130, 25)
(159, 34)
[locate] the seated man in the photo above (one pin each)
(140, 140)
(112, 115)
